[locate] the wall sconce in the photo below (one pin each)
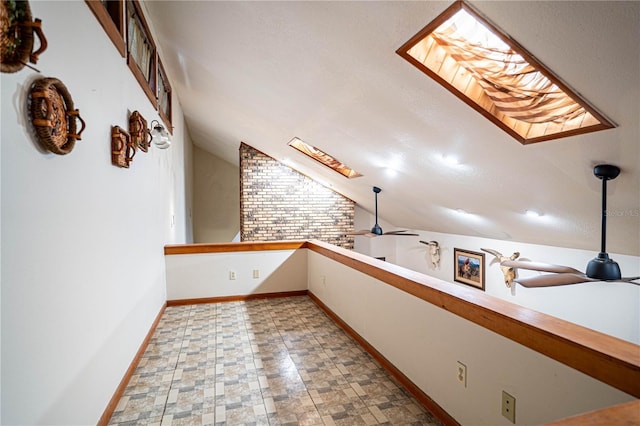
(160, 136)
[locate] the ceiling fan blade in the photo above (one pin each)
(538, 266)
(630, 280)
(363, 233)
(551, 280)
(400, 232)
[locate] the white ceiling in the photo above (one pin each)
(327, 72)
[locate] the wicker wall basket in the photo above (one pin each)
(123, 149)
(140, 134)
(17, 36)
(53, 115)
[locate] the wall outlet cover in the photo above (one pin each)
(462, 374)
(509, 407)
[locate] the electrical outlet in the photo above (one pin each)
(256, 273)
(232, 275)
(462, 374)
(509, 407)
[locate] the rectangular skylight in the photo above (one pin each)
(323, 158)
(497, 77)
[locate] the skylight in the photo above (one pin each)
(497, 77)
(323, 158)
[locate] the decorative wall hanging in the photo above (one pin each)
(122, 148)
(509, 272)
(53, 115)
(468, 268)
(140, 134)
(16, 36)
(434, 253)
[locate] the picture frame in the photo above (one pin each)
(468, 268)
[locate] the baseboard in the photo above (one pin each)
(180, 302)
(411, 387)
(108, 412)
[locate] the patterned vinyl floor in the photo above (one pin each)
(260, 362)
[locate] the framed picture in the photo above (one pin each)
(468, 268)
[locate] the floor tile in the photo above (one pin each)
(278, 361)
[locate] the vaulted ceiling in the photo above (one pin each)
(327, 72)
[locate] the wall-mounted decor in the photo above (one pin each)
(434, 253)
(122, 148)
(16, 36)
(140, 134)
(509, 272)
(468, 268)
(53, 115)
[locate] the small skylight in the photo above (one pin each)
(497, 77)
(323, 158)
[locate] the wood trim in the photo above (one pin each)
(621, 414)
(233, 247)
(111, 406)
(162, 77)
(221, 299)
(603, 357)
(144, 85)
(148, 87)
(414, 390)
(116, 35)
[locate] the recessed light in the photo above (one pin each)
(451, 160)
(532, 213)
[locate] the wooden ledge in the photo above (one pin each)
(233, 247)
(622, 414)
(608, 359)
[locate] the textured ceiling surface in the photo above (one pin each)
(327, 72)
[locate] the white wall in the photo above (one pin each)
(426, 342)
(216, 208)
(206, 275)
(611, 308)
(82, 264)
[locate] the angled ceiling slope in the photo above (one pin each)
(328, 72)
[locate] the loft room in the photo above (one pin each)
(83, 270)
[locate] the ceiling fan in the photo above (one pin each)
(601, 268)
(376, 231)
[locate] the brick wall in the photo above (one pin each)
(279, 203)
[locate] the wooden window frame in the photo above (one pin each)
(453, 82)
(149, 87)
(115, 30)
(323, 158)
(162, 77)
